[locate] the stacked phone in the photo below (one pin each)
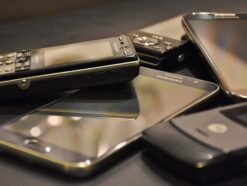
(124, 91)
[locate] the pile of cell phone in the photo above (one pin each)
(118, 100)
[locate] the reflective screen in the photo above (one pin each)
(226, 43)
(77, 52)
(91, 135)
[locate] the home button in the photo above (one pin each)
(36, 145)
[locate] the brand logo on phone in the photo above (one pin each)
(217, 128)
(170, 77)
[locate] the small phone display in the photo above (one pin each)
(77, 52)
(98, 125)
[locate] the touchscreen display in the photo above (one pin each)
(92, 50)
(226, 43)
(91, 135)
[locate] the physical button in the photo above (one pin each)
(27, 53)
(22, 59)
(27, 63)
(156, 47)
(18, 65)
(36, 145)
(157, 37)
(167, 43)
(11, 55)
(19, 55)
(8, 69)
(146, 41)
(135, 35)
(127, 50)
(168, 47)
(8, 62)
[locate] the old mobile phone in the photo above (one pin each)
(159, 52)
(210, 145)
(71, 66)
(80, 141)
(221, 39)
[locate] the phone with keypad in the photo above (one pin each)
(71, 66)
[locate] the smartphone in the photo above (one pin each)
(80, 142)
(71, 66)
(222, 41)
(210, 145)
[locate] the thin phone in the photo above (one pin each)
(221, 38)
(81, 141)
(66, 67)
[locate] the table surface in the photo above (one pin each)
(112, 18)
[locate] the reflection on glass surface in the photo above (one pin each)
(226, 43)
(77, 52)
(117, 101)
(94, 136)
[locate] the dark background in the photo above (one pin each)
(35, 24)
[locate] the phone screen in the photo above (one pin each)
(95, 125)
(225, 42)
(92, 50)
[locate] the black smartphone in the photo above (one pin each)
(205, 146)
(71, 66)
(221, 38)
(80, 137)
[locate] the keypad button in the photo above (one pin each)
(167, 43)
(146, 41)
(8, 69)
(127, 50)
(156, 47)
(18, 65)
(27, 53)
(1, 63)
(157, 37)
(27, 64)
(11, 55)
(135, 35)
(1, 57)
(168, 47)
(8, 62)
(19, 55)
(22, 59)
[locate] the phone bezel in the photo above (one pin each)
(235, 93)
